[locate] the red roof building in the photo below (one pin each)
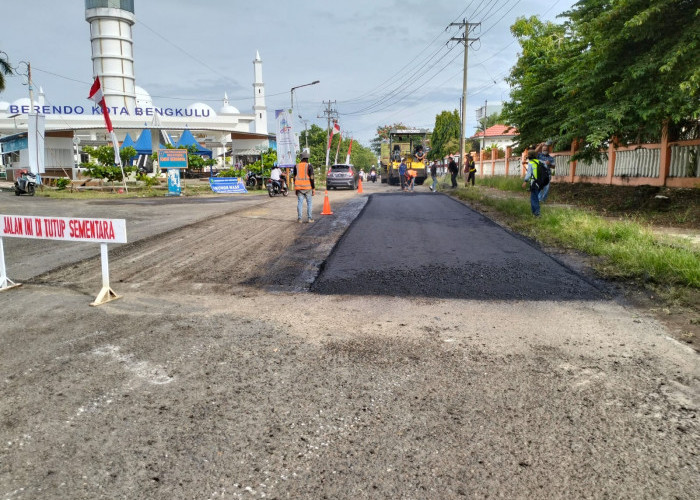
(500, 135)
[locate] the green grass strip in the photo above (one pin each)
(628, 249)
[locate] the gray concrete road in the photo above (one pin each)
(146, 217)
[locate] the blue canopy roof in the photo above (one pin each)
(128, 141)
(187, 139)
(143, 144)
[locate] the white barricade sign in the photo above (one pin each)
(76, 229)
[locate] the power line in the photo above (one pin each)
(394, 93)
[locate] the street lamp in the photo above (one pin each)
(224, 140)
(76, 143)
(306, 133)
(300, 86)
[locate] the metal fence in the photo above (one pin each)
(562, 164)
(624, 166)
(640, 162)
(593, 168)
(515, 167)
(685, 161)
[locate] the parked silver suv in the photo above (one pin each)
(343, 175)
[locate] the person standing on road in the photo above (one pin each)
(433, 175)
(531, 176)
(402, 174)
(471, 169)
(303, 175)
(452, 167)
(548, 160)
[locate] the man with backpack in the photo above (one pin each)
(548, 160)
(538, 176)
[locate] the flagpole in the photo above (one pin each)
(118, 160)
(340, 139)
(97, 96)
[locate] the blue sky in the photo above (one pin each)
(382, 61)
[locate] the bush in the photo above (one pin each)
(147, 180)
(231, 172)
(62, 183)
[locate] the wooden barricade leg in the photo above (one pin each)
(106, 294)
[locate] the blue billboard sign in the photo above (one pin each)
(227, 185)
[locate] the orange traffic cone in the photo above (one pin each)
(326, 205)
(359, 186)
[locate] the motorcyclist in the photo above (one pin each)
(276, 175)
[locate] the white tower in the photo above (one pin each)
(113, 49)
(259, 107)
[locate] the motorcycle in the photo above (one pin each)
(26, 184)
(277, 187)
(253, 180)
(373, 176)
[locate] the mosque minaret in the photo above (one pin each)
(259, 107)
(113, 49)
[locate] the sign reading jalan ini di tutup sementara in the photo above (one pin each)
(14, 109)
(63, 228)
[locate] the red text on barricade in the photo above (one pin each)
(64, 228)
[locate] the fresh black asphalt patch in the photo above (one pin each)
(410, 244)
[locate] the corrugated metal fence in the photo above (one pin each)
(629, 165)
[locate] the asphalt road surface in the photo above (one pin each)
(429, 245)
(218, 374)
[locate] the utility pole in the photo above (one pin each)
(468, 28)
(486, 115)
(330, 114)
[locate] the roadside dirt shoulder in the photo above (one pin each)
(682, 319)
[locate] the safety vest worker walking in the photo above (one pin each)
(304, 186)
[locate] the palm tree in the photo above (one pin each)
(5, 69)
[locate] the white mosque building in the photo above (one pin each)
(134, 114)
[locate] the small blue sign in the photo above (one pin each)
(172, 158)
(174, 182)
(227, 185)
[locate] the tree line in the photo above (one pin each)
(610, 70)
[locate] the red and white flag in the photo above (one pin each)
(349, 151)
(98, 98)
(335, 130)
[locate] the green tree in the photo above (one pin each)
(488, 121)
(534, 81)
(317, 140)
(105, 167)
(269, 158)
(383, 135)
(360, 156)
(445, 135)
(612, 69)
(638, 65)
(5, 69)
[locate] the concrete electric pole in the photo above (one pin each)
(468, 27)
(331, 115)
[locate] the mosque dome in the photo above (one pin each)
(24, 101)
(227, 109)
(204, 109)
(143, 98)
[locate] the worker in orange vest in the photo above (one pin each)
(303, 174)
